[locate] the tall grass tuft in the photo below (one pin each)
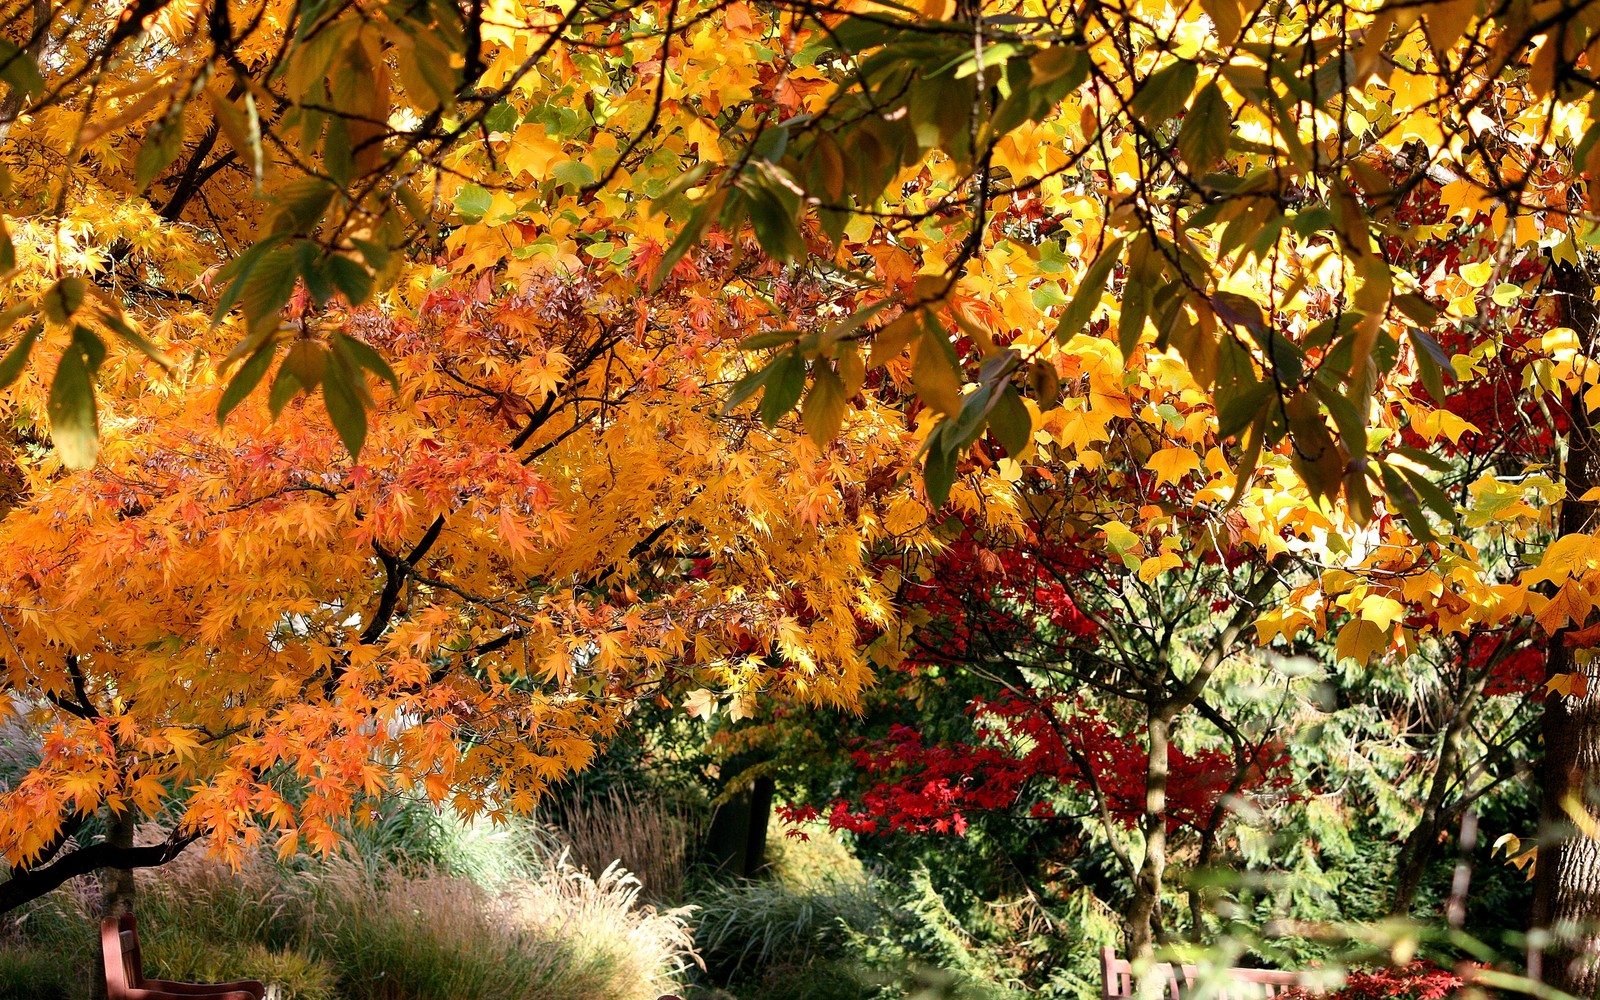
(648, 835)
(359, 927)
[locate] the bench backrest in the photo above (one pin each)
(119, 945)
(1179, 983)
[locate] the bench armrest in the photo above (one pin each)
(146, 993)
(209, 990)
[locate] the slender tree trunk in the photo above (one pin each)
(116, 884)
(116, 890)
(1152, 870)
(1422, 844)
(1567, 880)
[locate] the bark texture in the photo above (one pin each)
(1567, 886)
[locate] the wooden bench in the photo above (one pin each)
(1229, 984)
(119, 944)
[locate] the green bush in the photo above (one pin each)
(298, 976)
(746, 926)
(35, 974)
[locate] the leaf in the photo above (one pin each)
(342, 399)
(939, 469)
(825, 405)
(284, 388)
(1171, 464)
(359, 355)
(688, 236)
(63, 299)
(74, 425)
(307, 360)
(700, 704)
(8, 250)
(934, 373)
(784, 383)
(245, 380)
(17, 358)
(891, 338)
(1165, 92)
(1207, 127)
(1090, 289)
(1433, 364)
(120, 326)
(161, 146)
(237, 270)
(775, 225)
(18, 69)
(1011, 423)
(268, 287)
(351, 277)
(473, 202)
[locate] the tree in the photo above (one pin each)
(1234, 182)
(244, 631)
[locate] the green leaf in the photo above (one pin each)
(1165, 92)
(17, 358)
(74, 427)
(161, 146)
(336, 155)
(688, 236)
(1207, 127)
(351, 277)
(745, 388)
(573, 174)
(342, 400)
(775, 225)
(301, 205)
(359, 355)
(268, 287)
(1010, 422)
(62, 299)
(284, 387)
(939, 469)
(237, 270)
(1433, 498)
(18, 69)
(472, 202)
(783, 386)
(123, 329)
(1429, 366)
(245, 380)
(503, 117)
(1400, 494)
(772, 338)
(1087, 297)
(8, 250)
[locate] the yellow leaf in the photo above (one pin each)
(1567, 557)
(1360, 640)
(1171, 464)
(1156, 565)
(531, 151)
(934, 376)
(1380, 610)
(700, 704)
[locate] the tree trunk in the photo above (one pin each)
(1422, 844)
(1152, 869)
(1567, 879)
(116, 890)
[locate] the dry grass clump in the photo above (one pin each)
(647, 835)
(342, 928)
